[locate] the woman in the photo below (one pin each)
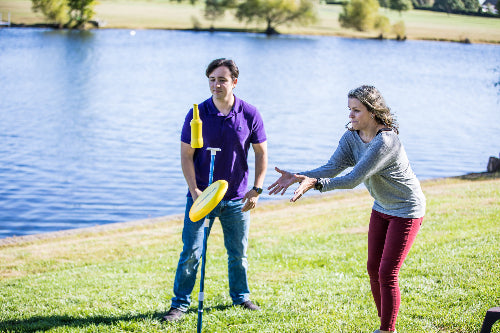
(372, 148)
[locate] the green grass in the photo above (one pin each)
(306, 263)
(162, 14)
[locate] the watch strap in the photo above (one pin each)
(257, 189)
(318, 186)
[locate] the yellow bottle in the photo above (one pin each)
(196, 136)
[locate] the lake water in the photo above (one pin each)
(90, 121)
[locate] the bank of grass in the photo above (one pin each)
(161, 14)
(307, 270)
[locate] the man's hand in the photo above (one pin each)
(196, 193)
(250, 200)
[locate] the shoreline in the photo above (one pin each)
(422, 25)
(256, 31)
(16, 240)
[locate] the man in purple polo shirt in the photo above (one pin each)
(232, 125)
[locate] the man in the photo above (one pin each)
(232, 125)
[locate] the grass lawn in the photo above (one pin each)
(306, 262)
(162, 14)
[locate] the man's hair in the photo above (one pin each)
(230, 64)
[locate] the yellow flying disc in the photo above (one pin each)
(207, 200)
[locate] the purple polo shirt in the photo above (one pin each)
(233, 134)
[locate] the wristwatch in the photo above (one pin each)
(257, 189)
(318, 186)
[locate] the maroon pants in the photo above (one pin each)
(389, 241)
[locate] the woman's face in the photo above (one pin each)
(221, 83)
(361, 118)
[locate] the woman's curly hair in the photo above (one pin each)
(375, 103)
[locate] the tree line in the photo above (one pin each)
(362, 15)
(73, 14)
(464, 7)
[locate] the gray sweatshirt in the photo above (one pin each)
(384, 168)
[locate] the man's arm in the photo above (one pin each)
(187, 163)
(251, 197)
(260, 150)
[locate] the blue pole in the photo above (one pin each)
(202, 278)
(212, 162)
(207, 224)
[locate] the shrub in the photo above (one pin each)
(399, 29)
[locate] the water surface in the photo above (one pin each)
(90, 121)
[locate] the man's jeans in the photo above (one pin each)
(235, 225)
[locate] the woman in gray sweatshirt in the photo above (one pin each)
(371, 147)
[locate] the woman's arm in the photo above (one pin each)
(381, 152)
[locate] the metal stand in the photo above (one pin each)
(207, 224)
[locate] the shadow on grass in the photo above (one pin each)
(44, 323)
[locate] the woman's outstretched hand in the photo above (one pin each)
(286, 179)
(306, 184)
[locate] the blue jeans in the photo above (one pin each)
(235, 226)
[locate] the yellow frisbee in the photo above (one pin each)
(207, 200)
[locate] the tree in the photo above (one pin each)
(277, 12)
(54, 10)
(215, 9)
(384, 3)
(457, 5)
(471, 5)
(422, 3)
(399, 29)
(401, 5)
(449, 5)
(80, 12)
(382, 24)
(361, 15)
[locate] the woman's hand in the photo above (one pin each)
(305, 185)
(284, 182)
(287, 179)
